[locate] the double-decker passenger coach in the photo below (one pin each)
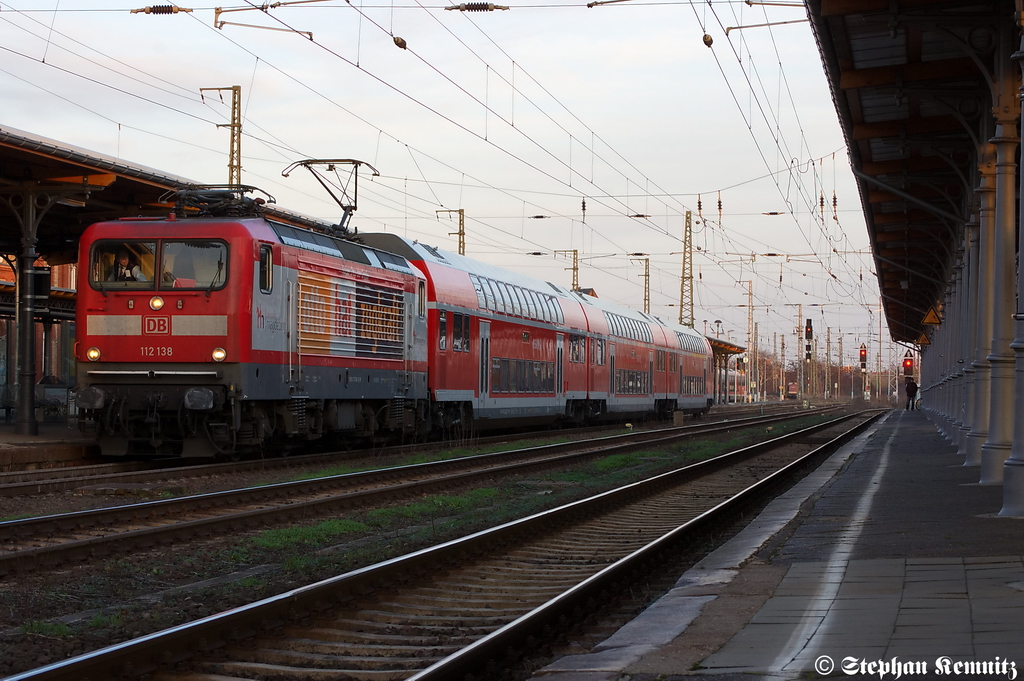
(507, 349)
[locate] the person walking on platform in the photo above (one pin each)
(911, 389)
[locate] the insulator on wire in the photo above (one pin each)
(476, 7)
(161, 9)
(835, 207)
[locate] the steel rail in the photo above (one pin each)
(43, 481)
(147, 654)
(474, 657)
(496, 463)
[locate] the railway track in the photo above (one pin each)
(63, 478)
(448, 611)
(49, 541)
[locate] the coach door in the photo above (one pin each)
(651, 388)
(485, 364)
(611, 367)
(559, 358)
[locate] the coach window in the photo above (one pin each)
(504, 304)
(479, 288)
(266, 268)
(495, 374)
(442, 330)
(517, 302)
(495, 295)
(456, 332)
(465, 333)
(422, 299)
(123, 264)
(488, 303)
(531, 304)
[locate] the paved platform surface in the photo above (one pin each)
(888, 562)
(57, 441)
(50, 432)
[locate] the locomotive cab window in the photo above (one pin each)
(195, 264)
(123, 264)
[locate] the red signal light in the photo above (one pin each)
(908, 366)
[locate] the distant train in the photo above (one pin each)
(228, 332)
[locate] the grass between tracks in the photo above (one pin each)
(49, 616)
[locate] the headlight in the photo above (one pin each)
(219, 354)
(156, 302)
(92, 354)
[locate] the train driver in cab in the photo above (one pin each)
(125, 269)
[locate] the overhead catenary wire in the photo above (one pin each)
(432, 183)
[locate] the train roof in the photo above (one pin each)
(340, 248)
(417, 251)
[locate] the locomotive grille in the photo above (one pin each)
(342, 317)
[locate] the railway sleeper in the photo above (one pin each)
(454, 609)
(455, 630)
(323, 631)
(523, 592)
(433, 621)
(260, 670)
(440, 596)
(401, 647)
(523, 580)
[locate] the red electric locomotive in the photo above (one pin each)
(506, 349)
(226, 330)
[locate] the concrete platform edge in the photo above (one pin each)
(669, 617)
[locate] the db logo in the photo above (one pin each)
(156, 326)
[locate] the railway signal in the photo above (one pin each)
(908, 364)
(863, 358)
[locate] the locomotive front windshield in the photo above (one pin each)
(164, 264)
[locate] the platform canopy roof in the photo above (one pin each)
(912, 81)
(90, 187)
(725, 347)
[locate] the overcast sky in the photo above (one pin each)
(507, 115)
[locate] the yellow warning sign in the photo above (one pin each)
(923, 340)
(932, 317)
